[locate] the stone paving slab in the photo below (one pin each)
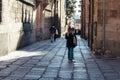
(48, 61)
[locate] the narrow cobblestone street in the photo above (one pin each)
(48, 61)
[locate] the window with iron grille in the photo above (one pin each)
(0, 10)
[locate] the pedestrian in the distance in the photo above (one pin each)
(52, 32)
(56, 34)
(71, 42)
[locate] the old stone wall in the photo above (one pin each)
(44, 22)
(47, 18)
(16, 26)
(96, 15)
(112, 27)
(87, 5)
(23, 22)
(61, 12)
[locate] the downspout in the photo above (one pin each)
(51, 13)
(103, 27)
(92, 24)
(82, 28)
(84, 20)
(81, 18)
(54, 12)
(89, 23)
(60, 20)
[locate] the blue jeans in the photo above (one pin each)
(70, 53)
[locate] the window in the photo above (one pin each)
(0, 10)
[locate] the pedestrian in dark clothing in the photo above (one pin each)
(71, 38)
(52, 32)
(56, 34)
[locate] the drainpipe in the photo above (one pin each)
(54, 12)
(89, 23)
(104, 27)
(60, 28)
(82, 21)
(92, 21)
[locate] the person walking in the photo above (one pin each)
(56, 34)
(52, 32)
(71, 42)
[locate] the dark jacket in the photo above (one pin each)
(52, 30)
(69, 39)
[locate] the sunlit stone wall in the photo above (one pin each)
(16, 26)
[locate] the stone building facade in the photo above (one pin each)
(103, 26)
(16, 28)
(52, 13)
(61, 16)
(43, 19)
(23, 22)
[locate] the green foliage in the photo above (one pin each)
(70, 7)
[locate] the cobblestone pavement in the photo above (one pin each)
(48, 61)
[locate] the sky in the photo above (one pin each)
(77, 14)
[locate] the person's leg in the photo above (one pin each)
(70, 54)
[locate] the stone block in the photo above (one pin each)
(3, 44)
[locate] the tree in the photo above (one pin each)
(70, 7)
